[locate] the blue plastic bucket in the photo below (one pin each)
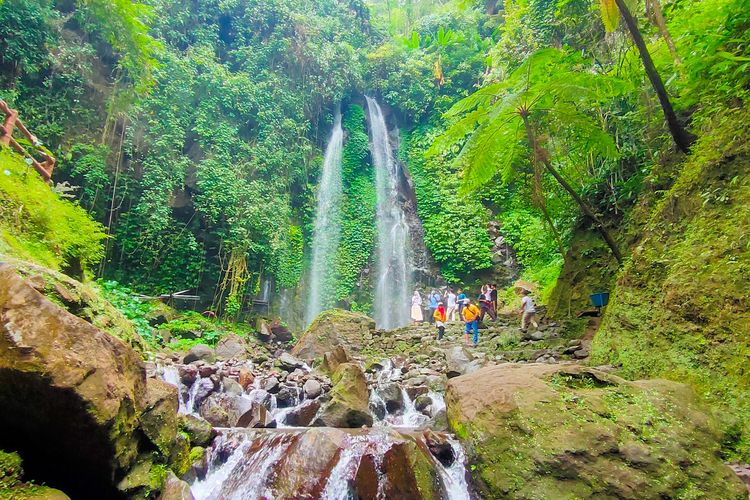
(599, 299)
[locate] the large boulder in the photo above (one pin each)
(568, 431)
(200, 352)
(332, 359)
(348, 406)
(71, 395)
(231, 346)
(331, 329)
(159, 418)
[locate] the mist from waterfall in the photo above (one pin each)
(393, 264)
(327, 228)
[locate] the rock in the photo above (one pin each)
(285, 397)
(289, 362)
(232, 387)
(377, 407)
(303, 471)
(538, 335)
(264, 330)
(159, 417)
(216, 408)
(231, 346)
(67, 389)
(581, 353)
(188, 374)
(415, 381)
(302, 415)
(416, 391)
(407, 473)
(536, 430)
(175, 489)
(206, 371)
(256, 417)
(348, 406)
(331, 329)
(271, 385)
(422, 402)
(458, 360)
(198, 430)
(392, 397)
(280, 332)
(246, 377)
(312, 389)
(205, 388)
(199, 352)
(440, 447)
(332, 359)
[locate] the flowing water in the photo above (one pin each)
(393, 263)
(327, 228)
(320, 462)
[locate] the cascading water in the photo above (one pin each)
(394, 267)
(327, 227)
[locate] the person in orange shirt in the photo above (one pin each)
(470, 315)
(440, 317)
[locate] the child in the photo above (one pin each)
(440, 319)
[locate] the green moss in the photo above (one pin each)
(11, 469)
(681, 309)
(36, 224)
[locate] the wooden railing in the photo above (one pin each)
(11, 122)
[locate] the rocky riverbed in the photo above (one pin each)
(351, 410)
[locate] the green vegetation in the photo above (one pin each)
(609, 159)
(38, 225)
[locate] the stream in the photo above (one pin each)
(402, 452)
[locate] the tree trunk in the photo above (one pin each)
(682, 139)
(542, 204)
(539, 155)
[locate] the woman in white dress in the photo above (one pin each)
(416, 308)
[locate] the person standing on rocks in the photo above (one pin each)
(471, 319)
(493, 296)
(461, 301)
(416, 308)
(434, 299)
(440, 317)
(485, 305)
(450, 298)
(527, 311)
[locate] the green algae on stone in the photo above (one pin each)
(566, 431)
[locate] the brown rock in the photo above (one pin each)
(175, 489)
(246, 377)
(302, 415)
(67, 389)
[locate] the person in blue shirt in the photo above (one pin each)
(434, 300)
(461, 299)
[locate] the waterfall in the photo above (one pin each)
(327, 227)
(393, 264)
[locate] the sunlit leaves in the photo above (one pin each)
(610, 14)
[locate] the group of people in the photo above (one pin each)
(445, 306)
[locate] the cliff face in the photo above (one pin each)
(679, 306)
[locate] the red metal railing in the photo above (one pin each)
(11, 122)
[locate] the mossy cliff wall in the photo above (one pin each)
(680, 308)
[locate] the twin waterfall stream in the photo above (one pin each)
(393, 263)
(323, 462)
(287, 451)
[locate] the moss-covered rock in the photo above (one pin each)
(567, 431)
(681, 308)
(348, 406)
(334, 328)
(159, 418)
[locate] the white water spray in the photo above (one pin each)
(327, 229)
(394, 266)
